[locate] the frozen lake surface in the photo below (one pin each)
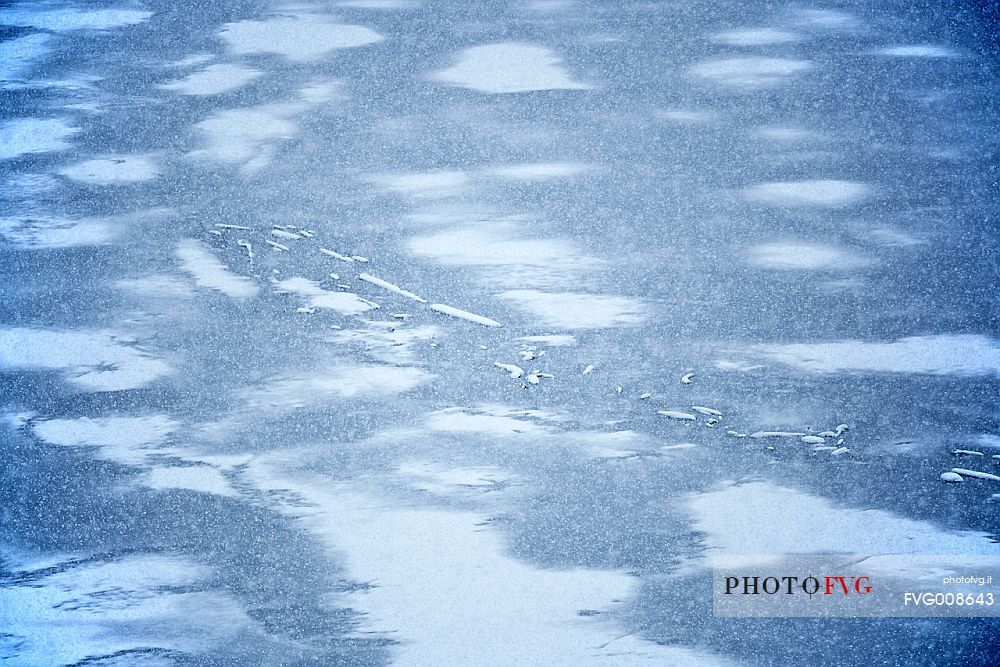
(400, 332)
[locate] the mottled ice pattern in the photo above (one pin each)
(400, 332)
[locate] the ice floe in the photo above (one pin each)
(750, 73)
(395, 289)
(680, 416)
(577, 310)
(944, 354)
(209, 272)
(977, 474)
(25, 136)
(214, 80)
(114, 170)
(814, 193)
(509, 67)
(804, 256)
(92, 360)
(300, 38)
(451, 311)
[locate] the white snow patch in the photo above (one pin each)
(551, 340)
(945, 354)
(203, 479)
(511, 259)
(815, 193)
(919, 51)
(539, 171)
(424, 185)
(113, 170)
(300, 38)
(751, 73)
(214, 80)
(458, 420)
(135, 604)
(508, 67)
(579, 311)
(786, 134)
(209, 272)
(441, 480)
(248, 137)
(157, 286)
(63, 19)
(48, 233)
(290, 393)
(92, 360)
(125, 440)
(379, 4)
(193, 60)
(393, 345)
(756, 36)
(345, 303)
(763, 518)
(25, 136)
(18, 55)
(804, 256)
(449, 594)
